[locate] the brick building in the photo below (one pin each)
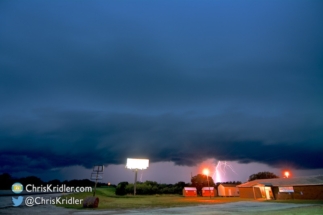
(310, 187)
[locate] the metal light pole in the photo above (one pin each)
(206, 172)
(207, 176)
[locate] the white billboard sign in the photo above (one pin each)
(286, 189)
(137, 163)
(96, 176)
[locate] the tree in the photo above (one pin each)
(180, 184)
(31, 180)
(262, 175)
(178, 187)
(199, 181)
(54, 182)
(6, 181)
(121, 188)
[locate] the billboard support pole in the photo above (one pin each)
(96, 175)
(134, 185)
(135, 164)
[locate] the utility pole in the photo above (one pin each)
(97, 175)
(96, 182)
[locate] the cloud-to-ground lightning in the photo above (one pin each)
(220, 170)
(141, 176)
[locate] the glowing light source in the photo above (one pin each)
(286, 173)
(206, 172)
(137, 163)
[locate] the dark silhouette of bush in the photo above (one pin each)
(54, 182)
(121, 188)
(150, 188)
(6, 181)
(31, 180)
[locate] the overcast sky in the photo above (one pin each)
(177, 82)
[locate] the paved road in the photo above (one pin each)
(217, 209)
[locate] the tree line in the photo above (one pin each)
(262, 175)
(151, 187)
(123, 188)
(199, 181)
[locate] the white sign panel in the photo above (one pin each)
(137, 163)
(286, 189)
(98, 168)
(96, 176)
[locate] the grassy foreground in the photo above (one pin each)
(309, 210)
(108, 200)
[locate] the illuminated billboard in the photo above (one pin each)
(137, 163)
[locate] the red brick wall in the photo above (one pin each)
(301, 192)
(258, 193)
(308, 192)
(246, 192)
(189, 193)
(281, 196)
(207, 193)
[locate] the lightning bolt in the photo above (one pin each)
(220, 170)
(141, 176)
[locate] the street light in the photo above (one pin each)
(206, 172)
(286, 174)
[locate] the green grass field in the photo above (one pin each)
(108, 200)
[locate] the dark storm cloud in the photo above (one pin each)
(101, 56)
(57, 139)
(172, 81)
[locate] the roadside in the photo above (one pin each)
(233, 208)
(163, 204)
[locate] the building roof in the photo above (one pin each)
(189, 188)
(285, 182)
(228, 185)
(208, 188)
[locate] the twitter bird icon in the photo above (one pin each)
(18, 201)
